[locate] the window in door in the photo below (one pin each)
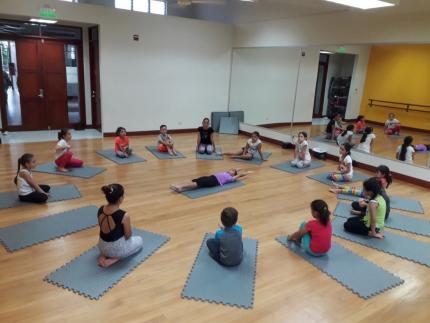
(73, 106)
(11, 96)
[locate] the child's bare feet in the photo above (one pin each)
(62, 169)
(176, 188)
(334, 190)
(107, 262)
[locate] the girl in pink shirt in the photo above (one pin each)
(315, 235)
(217, 179)
(122, 144)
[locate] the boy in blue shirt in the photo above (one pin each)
(227, 247)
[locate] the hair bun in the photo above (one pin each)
(106, 189)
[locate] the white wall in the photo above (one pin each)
(176, 74)
(264, 81)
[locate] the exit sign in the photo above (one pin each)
(341, 50)
(47, 12)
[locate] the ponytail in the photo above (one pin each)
(321, 208)
(406, 143)
(113, 192)
(347, 147)
(386, 173)
(62, 133)
(367, 132)
(24, 159)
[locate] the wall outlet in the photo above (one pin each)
(179, 123)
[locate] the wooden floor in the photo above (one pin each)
(272, 203)
(384, 145)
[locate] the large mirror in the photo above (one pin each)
(289, 89)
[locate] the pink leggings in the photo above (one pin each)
(66, 160)
(393, 131)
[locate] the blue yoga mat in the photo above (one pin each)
(215, 156)
(346, 267)
(396, 202)
(200, 192)
(393, 244)
(83, 276)
(322, 178)
(83, 172)
(159, 155)
(211, 282)
(110, 154)
(32, 232)
(255, 161)
(286, 167)
(57, 193)
(395, 221)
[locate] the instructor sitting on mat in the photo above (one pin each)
(205, 140)
(373, 222)
(217, 179)
(116, 239)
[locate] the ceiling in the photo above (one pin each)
(239, 12)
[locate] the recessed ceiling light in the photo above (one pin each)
(366, 4)
(43, 21)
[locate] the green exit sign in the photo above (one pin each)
(341, 50)
(47, 12)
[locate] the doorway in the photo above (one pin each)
(93, 36)
(333, 84)
(42, 78)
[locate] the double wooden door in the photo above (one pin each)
(42, 81)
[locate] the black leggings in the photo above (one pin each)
(356, 225)
(36, 197)
(206, 181)
(356, 207)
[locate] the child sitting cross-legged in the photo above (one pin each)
(227, 247)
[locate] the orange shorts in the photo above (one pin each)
(162, 148)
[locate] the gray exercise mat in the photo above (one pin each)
(286, 167)
(255, 161)
(214, 156)
(396, 202)
(211, 282)
(200, 192)
(229, 125)
(50, 227)
(322, 178)
(111, 155)
(57, 193)
(159, 155)
(83, 276)
(83, 172)
(393, 244)
(395, 220)
(346, 267)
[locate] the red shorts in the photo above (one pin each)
(162, 148)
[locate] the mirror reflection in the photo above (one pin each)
(373, 96)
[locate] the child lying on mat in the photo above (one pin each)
(63, 152)
(165, 142)
(373, 222)
(315, 235)
(346, 172)
(227, 247)
(251, 150)
(217, 179)
(116, 239)
(383, 176)
(302, 156)
(122, 143)
(28, 189)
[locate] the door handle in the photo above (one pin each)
(41, 95)
(93, 94)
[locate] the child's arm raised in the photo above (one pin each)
(241, 175)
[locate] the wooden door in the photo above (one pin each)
(95, 77)
(30, 82)
(55, 84)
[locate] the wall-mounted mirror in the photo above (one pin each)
(290, 89)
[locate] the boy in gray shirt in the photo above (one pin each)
(165, 142)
